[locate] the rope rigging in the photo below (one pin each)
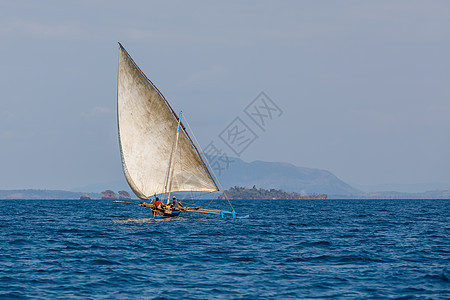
(212, 171)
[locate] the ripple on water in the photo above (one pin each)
(310, 249)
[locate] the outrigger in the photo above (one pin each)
(168, 212)
(158, 155)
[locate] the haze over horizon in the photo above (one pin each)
(362, 87)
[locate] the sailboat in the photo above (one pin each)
(158, 155)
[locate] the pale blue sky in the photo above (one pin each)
(363, 85)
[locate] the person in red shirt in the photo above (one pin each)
(157, 203)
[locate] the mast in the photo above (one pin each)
(174, 152)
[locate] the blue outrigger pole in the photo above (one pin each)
(222, 212)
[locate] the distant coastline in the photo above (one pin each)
(30, 194)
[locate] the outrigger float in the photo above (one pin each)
(158, 155)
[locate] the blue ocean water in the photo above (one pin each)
(286, 249)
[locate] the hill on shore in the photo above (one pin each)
(267, 175)
(283, 176)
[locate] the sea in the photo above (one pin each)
(285, 249)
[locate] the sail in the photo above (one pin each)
(147, 133)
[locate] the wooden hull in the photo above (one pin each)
(164, 213)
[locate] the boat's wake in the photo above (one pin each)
(148, 220)
(133, 220)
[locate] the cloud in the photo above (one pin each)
(200, 77)
(98, 111)
(138, 34)
(41, 29)
(7, 134)
(101, 110)
(437, 115)
(7, 115)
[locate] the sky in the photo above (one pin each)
(362, 87)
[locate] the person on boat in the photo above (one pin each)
(157, 203)
(175, 203)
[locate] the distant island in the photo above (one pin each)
(239, 193)
(59, 194)
(110, 195)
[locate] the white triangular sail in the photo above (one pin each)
(147, 132)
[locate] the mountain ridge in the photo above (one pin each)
(236, 172)
(279, 175)
(285, 176)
